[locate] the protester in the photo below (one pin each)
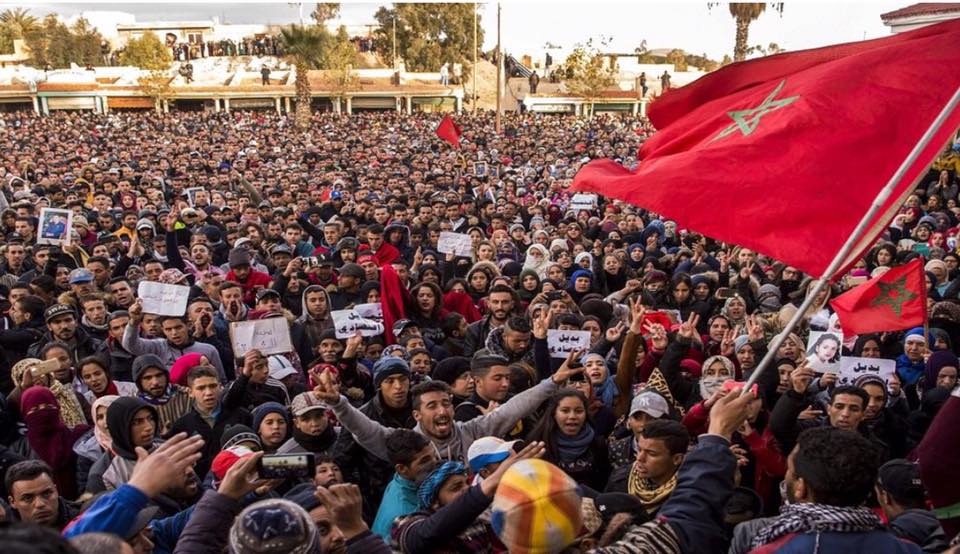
(317, 318)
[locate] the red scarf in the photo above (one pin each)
(393, 297)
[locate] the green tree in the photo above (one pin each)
(325, 11)
(589, 71)
(146, 52)
(745, 13)
(53, 43)
(15, 24)
(428, 35)
(156, 85)
(305, 47)
(338, 58)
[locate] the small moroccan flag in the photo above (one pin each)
(893, 301)
(449, 131)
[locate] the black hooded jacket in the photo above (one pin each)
(119, 420)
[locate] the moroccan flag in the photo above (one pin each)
(785, 154)
(449, 131)
(893, 301)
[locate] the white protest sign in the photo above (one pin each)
(583, 201)
(269, 336)
(163, 299)
(372, 311)
(455, 243)
(852, 367)
(562, 343)
(348, 322)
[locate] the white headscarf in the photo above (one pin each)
(541, 265)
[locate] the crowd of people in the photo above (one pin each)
(452, 423)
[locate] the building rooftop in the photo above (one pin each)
(922, 8)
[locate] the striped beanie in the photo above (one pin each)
(537, 508)
(430, 487)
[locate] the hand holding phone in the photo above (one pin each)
(286, 466)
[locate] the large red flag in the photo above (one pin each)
(449, 131)
(893, 301)
(785, 154)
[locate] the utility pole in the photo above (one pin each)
(473, 103)
(499, 71)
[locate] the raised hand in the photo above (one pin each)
(327, 387)
(344, 504)
(754, 329)
(614, 333)
(153, 472)
(637, 311)
(688, 329)
(533, 450)
(541, 324)
(801, 377)
(658, 336)
(569, 368)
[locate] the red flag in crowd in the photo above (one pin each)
(785, 154)
(893, 301)
(449, 131)
(394, 298)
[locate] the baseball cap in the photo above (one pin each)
(281, 249)
(263, 293)
(306, 402)
(400, 325)
(80, 275)
(901, 478)
(649, 403)
(352, 270)
(490, 450)
(57, 310)
(280, 367)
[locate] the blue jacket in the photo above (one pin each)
(399, 499)
(115, 513)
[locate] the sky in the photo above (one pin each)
(526, 26)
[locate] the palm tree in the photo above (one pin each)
(745, 13)
(19, 22)
(304, 46)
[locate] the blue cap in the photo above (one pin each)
(80, 275)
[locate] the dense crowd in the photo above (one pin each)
(454, 421)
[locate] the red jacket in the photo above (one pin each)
(255, 280)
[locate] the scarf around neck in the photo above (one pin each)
(158, 400)
(572, 448)
(316, 443)
(649, 494)
(817, 518)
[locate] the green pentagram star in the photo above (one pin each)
(746, 121)
(894, 294)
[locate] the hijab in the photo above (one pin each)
(539, 266)
(102, 436)
(49, 437)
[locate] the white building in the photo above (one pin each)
(920, 15)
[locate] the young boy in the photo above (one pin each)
(413, 457)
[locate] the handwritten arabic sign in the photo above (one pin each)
(348, 322)
(583, 201)
(455, 243)
(372, 311)
(851, 368)
(269, 336)
(163, 299)
(562, 343)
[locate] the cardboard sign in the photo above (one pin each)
(562, 343)
(269, 336)
(823, 351)
(455, 243)
(55, 226)
(348, 322)
(852, 367)
(163, 299)
(583, 201)
(373, 311)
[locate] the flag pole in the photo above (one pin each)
(847, 247)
